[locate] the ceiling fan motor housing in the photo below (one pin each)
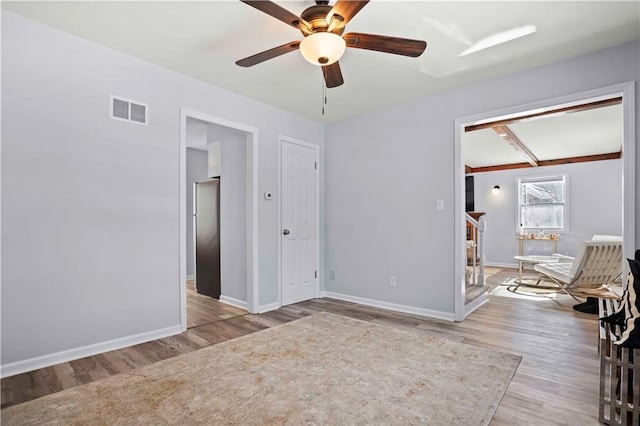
(316, 16)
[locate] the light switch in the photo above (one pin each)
(439, 204)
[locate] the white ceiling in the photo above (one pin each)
(592, 132)
(204, 39)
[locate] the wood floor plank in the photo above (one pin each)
(156, 351)
(192, 339)
(45, 382)
(179, 344)
(203, 309)
(66, 376)
(216, 332)
(89, 369)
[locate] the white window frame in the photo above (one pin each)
(531, 179)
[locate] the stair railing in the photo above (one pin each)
(478, 228)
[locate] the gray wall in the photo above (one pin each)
(594, 206)
(90, 206)
(385, 170)
(196, 172)
(233, 211)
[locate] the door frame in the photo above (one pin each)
(627, 91)
(316, 153)
(252, 208)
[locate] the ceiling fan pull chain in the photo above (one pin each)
(325, 94)
(323, 99)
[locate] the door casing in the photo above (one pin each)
(252, 209)
(627, 91)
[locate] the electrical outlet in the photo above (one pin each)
(332, 275)
(393, 281)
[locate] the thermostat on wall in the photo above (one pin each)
(268, 195)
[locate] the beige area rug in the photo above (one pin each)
(322, 369)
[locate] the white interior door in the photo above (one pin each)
(299, 216)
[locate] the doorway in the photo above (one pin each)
(242, 142)
(299, 247)
(625, 91)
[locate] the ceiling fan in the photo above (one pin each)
(323, 43)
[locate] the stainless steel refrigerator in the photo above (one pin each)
(207, 237)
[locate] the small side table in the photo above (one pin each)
(526, 237)
(531, 260)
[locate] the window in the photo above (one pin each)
(542, 203)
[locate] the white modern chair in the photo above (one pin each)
(597, 265)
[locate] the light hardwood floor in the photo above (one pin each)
(203, 310)
(556, 382)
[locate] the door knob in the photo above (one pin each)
(285, 232)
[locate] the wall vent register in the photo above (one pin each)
(127, 110)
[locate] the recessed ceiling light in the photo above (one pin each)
(499, 38)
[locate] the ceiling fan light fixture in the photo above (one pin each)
(322, 48)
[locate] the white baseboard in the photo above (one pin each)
(42, 361)
(190, 277)
(233, 302)
(391, 306)
(270, 307)
(475, 304)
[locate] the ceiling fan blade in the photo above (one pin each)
(268, 54)
(332, 75)
(380, 43)
(278, 12)
(347, 9)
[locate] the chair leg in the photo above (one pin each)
(570, 294)
(562, 287)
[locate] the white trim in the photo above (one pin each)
(269, 307)
(629, 170)
(182, 216)
(459, 234)
(233, 302)
(31, 364)
(448, 316)
(316, 151)
(252, 208)
(193, 234)
(190, 277)
(475, 304)
(626, 90)
(279, 225)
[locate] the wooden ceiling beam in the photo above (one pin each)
(512, 139)
(546, 114)
(583, 159)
